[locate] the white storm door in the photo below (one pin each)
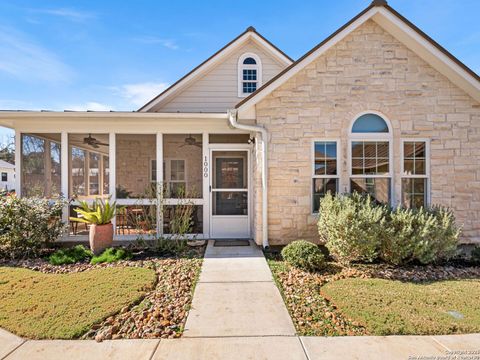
(229, 198)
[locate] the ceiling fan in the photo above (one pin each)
(191, 141)
(93, 142)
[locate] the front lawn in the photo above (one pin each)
(65, 306)
(387, 307)
(359, 300)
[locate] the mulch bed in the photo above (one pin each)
(315, 315)
(162, 312)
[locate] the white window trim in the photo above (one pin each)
(416, 176)
(372, 137)
(241, 66)
(315, 176)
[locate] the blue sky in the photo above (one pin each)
(107, 54)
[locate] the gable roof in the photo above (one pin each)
(249, 33)
(6, 165)
(401, 28)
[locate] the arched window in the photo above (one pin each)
(249, 74)
(371, 157)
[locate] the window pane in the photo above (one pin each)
(370, 123)
(383, 166)
(414, 158)
(249, 74)
(249, 87)
(134, 154)
(357, 166)
(419, 149)
(419, 167)
(230, 203)
(408, 167)
(182, 169)
(357, 149)
(230, 170)
(320, 189)
(325, 158)
(41, 170)
(414, 192)
(249, 61)
(378, 188)
(408, 149)
(370, 158)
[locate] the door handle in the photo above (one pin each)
(210, 188)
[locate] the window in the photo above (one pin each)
(249, 74)
(371, 157)
(414, 173)
(325, 170)
(4, 176)
(174, 178)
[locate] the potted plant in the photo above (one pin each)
(99, 216)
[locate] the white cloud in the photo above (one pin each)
(168, 43)
(90, 105)
(139, 94)
(26, 60)
(66, 13)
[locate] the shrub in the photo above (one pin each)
(28, 224)
(475, 255)
(351, 226)
(111, 255)
(70, 256)
(437, 235)
(304, 255)
(355, 228)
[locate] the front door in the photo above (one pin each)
(229, 198)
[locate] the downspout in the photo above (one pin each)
(232, 118)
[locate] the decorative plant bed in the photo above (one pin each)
(146, 297)
(354, 301)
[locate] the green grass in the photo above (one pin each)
(65, 306)
(111, 255)
(388, 307)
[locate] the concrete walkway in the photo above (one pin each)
(238, 313)
(236, 296)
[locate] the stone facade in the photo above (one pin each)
(369, 70)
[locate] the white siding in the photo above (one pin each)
(217, 91)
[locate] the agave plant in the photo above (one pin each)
(99, 213)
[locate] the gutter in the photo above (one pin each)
(232, 119)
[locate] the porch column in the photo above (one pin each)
(206, 185)
(64, 172)
(112, 177)
(18, 162)
(48, 169)
(159, 185)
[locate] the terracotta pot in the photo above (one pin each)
(101, 237)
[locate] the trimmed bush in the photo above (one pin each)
(475, 255)
(70, 256)
(351, 227)
(355, 228)
(28, 224)
(111, 255)
(304, 255)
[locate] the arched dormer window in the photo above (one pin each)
(249, 74)
(371, 156)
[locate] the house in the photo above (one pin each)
(251, 140)
(7, 176)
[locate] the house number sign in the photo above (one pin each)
(205, 167)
